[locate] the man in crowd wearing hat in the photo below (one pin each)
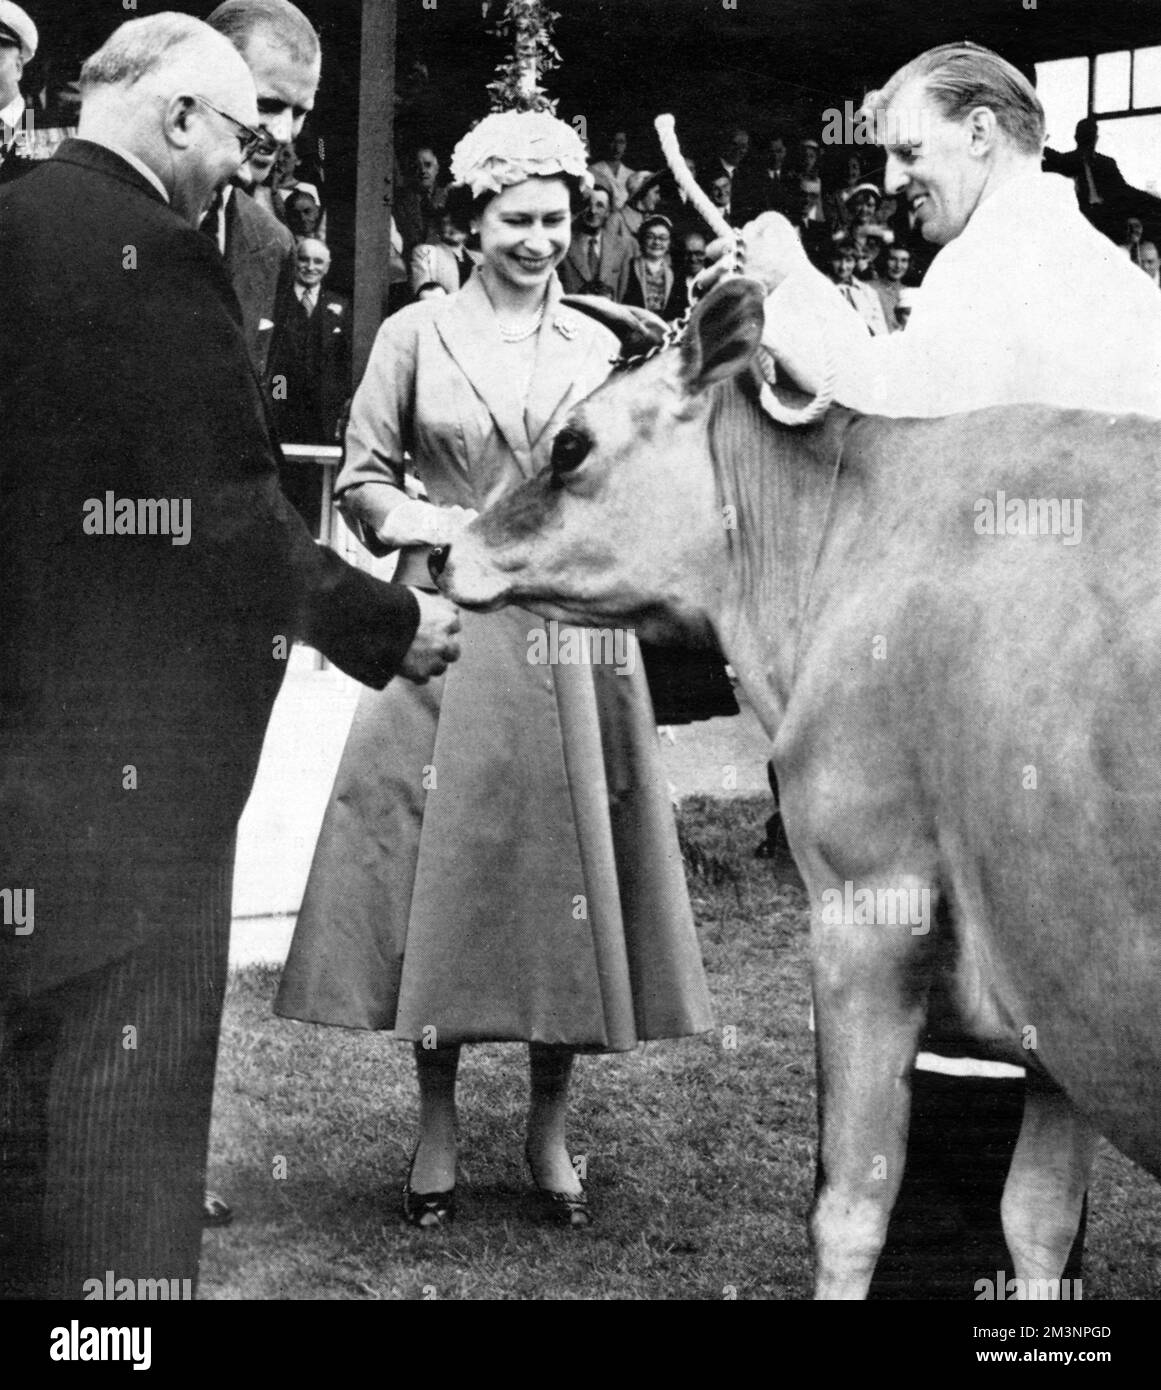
(154, 578)
(1026, 302)
(18, 43)
(597, 254)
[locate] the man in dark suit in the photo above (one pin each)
(155, 577)
(596, 253)
(282, 51)
(280, 47)
(310, 371)
(18, 41)
(1102, 192)
(758, 184)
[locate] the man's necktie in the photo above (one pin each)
(594, 258)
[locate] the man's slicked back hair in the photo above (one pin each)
(961, 76)
(282, 23)
(138, 48)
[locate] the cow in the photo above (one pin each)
(951, 630)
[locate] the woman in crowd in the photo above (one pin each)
(837, 204)
(644, 198)
(648, 280)
(499, 860)
(445, 260)
(860, 296)
(615, 170)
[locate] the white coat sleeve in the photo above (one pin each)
(939, 365)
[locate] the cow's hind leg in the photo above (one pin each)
(1044, 1193)
(870, 1010)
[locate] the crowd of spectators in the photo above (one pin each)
(638, 241)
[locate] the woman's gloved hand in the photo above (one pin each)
(421, 523)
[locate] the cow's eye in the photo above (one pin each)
(569, 450)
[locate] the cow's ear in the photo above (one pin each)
(723, 334)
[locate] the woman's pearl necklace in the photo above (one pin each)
(520, 335)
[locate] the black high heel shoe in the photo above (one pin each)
(416, 1206)
(564, 1208)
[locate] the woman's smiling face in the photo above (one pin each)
(525, 231)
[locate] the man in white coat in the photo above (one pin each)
(1025, 302)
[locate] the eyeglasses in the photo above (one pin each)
(252, 141)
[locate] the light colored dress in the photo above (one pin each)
(499, 859)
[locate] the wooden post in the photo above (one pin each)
(376, 193)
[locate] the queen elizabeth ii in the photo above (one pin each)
(499, 860)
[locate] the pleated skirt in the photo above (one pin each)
(499, 861)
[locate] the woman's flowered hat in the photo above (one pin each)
(508, 147)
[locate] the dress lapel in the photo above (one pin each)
(561, 348)
(469, 332)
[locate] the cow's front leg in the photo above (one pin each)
(870, 997)
(1044, 1192)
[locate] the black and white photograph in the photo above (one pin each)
(580, 663)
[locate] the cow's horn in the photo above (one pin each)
(638, 330)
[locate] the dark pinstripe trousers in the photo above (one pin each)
(106, 1085)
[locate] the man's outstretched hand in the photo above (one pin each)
(434, 647)
(770, 251)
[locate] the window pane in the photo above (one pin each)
(1147, 77)
(1112, 82)
(1135, 143)
(1062, 87)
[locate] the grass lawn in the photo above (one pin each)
(700, 1155)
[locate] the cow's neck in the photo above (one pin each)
(784, 491)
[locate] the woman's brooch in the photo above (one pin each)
(565, 329)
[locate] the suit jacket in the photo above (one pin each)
(752, 192)
(574, 270)
(433, 263)
(1107, 178)
(313, 358)
(260, 260)
(417, 213)
(137, 675)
